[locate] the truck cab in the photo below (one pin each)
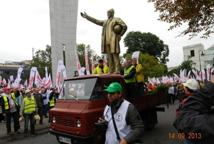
(82, 102)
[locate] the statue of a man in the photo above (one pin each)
(113, 29)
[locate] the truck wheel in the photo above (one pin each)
(149, 118)
(152, 117)
(99, 137)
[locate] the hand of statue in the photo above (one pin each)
(83, 14)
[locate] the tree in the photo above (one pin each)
(147, 43)
(81, 54)
(184, 65)
(151, 66)
(41, 60)
(199, 14)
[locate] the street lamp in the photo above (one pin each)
(200, 53)
(63, 49)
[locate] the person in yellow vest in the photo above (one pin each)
(139, 76)
(52, 98)
(9, 107)
(101, 68)
(129, 77)
(29, 110)
(1, 113)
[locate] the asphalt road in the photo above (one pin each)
(159, 135)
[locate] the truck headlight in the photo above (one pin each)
(54, 120)
(78, 123)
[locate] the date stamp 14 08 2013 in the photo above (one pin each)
(182, 136)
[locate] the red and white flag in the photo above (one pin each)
(38, 79)
(32, 77)
(48, 82)
(78, 62)
(60, 74)
(86, 61)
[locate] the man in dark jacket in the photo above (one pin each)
(39, 102)
(196, 117)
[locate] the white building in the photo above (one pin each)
(209, 56)
(194, 53)
(201, 58)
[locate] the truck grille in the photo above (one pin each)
(65, 121)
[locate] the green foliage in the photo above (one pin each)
(91, 54)
(151, 66)
(41, 60)
(147, 43)
(184, 65)
(81, 53)
(198, 14)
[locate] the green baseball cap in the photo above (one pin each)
(114, 87)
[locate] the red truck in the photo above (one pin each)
(82, 102)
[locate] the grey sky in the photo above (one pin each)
(26, 24)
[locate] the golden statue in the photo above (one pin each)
(113, 29)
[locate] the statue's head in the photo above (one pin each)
(110, 13)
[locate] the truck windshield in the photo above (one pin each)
(78, 89)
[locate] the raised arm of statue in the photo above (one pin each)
(91, 19)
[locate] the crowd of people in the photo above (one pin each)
(194, 116)
(26, 105)
(132, 71)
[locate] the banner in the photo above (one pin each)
(48, 82)
(32, 77)
(78, 63)
(86, 61)
(61, 71)
(38, 80)
(17, 81)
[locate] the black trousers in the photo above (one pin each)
(15, 116)
(40, 112)
(1, 117)
(29, 117)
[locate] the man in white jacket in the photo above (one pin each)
(127, 126)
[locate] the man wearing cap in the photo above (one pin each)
(28, 111)
(10, 110)
(190, 86)
(113, 29)
(123, 120)
(195, 117)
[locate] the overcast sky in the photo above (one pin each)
(25, 24)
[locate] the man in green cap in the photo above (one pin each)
(123, 120)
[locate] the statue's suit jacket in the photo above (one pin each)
(112, 37)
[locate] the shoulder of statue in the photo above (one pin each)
(117, 18)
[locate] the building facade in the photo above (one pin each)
(63, 23)
(201, 58)
(209, 56)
